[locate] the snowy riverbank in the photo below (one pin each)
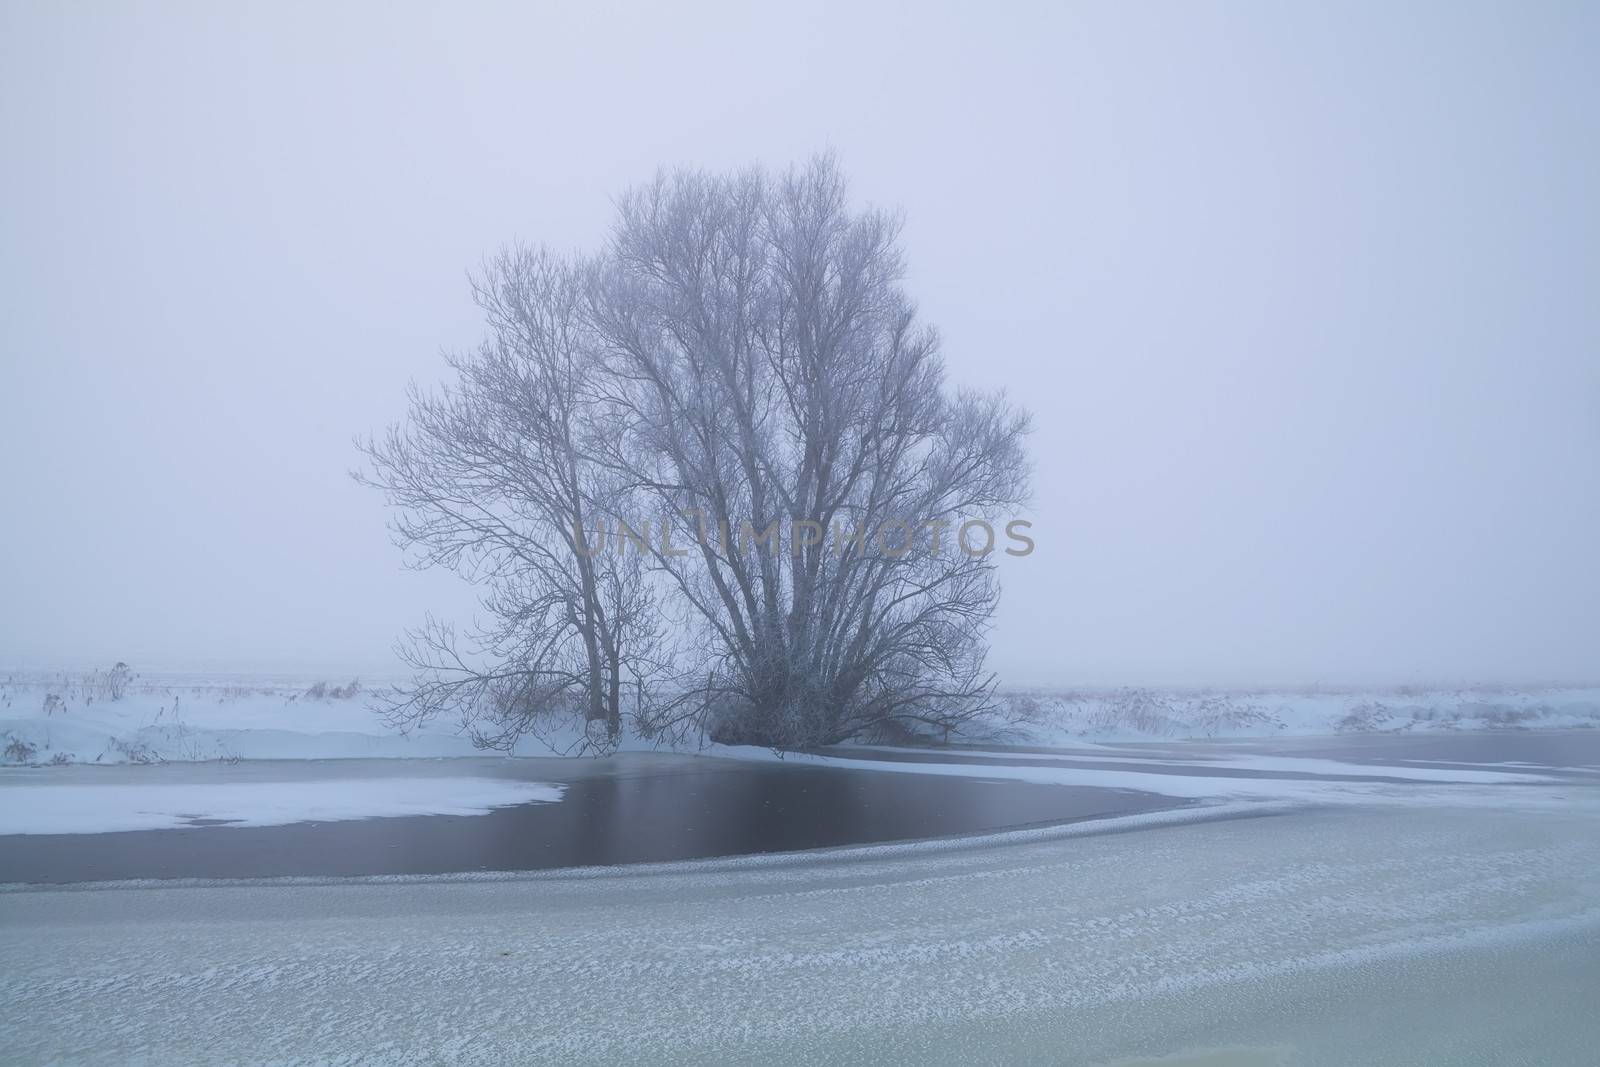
(78, 716)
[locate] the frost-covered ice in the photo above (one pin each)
(1298, 765)
(43, 807)
(1311, 781)
(1395, 935)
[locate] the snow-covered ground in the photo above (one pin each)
(45, 807)
(1371, 935)
(74, 716)
(1386, 910)
(1055, 717)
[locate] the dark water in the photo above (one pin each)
(627, 809)
(639, 808)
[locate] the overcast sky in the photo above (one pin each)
(1306, 301)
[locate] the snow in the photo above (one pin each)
(1364, 934)
(42, 807)
(1325, 781)
(68, 716)
(1356, 924)
(1298, 765)
(63, 716)
(1062, 718)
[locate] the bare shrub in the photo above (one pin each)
(109, 684)
(1368, 715)
(134, 751)
(1139, 710)
(19, 751)
(1503, 716)
(117, 679)
(1218, 714)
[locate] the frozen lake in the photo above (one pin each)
(1391, 934)
(1410, 901)
(351, 818)
(630, 808)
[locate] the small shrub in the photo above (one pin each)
(1368, 715)
(117, 679)
(1502, 716)
(135, 751)
(20, 751)
(1139, 710)
(1027, 709)
(1214, 714)
(324, 691)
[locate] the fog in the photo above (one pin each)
(1303, 302)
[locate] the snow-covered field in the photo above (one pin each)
(76, 716)
(1046, 717)
(73, 716)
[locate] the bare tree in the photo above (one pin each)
(766, 374)
(742, 363)
(491, 477)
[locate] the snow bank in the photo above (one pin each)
(72, 717)
(75, 717)
(92, 809)
(1060, 718)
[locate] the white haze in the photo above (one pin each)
(1303, 298)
